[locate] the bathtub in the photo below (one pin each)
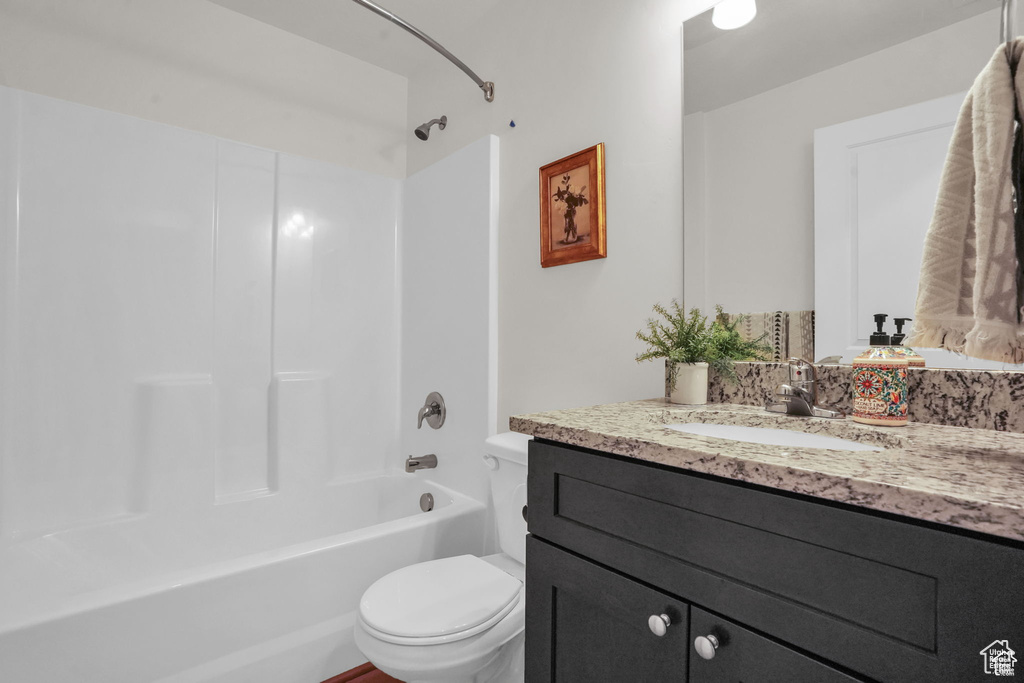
(260, 590)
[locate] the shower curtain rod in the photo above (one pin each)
(486, 86)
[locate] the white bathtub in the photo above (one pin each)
(261, 590)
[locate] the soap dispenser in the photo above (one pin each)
(880, 381)
(914, 359)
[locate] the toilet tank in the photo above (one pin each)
(505, 455)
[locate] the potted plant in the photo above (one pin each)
(690, 345)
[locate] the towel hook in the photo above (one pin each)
(1007, 20)
(1007, 24)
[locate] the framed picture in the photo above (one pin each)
(572, 219)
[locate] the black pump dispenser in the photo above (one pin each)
(897, 339)
(880, 338)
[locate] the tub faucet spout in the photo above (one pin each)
(427, 462)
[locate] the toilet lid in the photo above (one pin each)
(439, 598)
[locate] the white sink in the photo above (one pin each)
(772, 437)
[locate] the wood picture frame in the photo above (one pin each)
(572, 210)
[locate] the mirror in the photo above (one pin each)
(753, 99)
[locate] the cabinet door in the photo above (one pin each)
(732, 654)
(585, 623)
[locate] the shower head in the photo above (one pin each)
(424, 131)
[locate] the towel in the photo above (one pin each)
(800, 334)
(789, 333)
(968, 293)
(770, 328)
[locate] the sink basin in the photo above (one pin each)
(772, 437)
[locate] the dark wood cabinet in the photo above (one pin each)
(587, 623)
(796, 589)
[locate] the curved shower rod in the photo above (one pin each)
(486, 86)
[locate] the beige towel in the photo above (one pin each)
(800, 334)
(789, 333)
(967, 294)
(770, 328)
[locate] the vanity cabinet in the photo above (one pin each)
(791, 588)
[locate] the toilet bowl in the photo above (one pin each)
(444, 633)
(458, 619)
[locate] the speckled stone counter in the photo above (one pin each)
(967, 478)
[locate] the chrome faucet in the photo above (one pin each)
(433, 411)
(426, 462)
(800, 395)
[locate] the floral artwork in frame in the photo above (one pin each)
(572, 213)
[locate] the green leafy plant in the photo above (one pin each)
(689, 338)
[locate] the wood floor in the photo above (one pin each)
(364, 673)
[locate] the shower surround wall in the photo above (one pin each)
(448, 259)
(163, 348)
(206, 354)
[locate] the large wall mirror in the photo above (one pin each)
(754, 98)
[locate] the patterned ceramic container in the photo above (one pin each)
(880, 387)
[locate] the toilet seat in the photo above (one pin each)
(438, 601)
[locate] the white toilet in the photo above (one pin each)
(459, 619)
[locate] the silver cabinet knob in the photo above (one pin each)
(706, 646)
(659, 623)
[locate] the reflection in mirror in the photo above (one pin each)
(753, 99)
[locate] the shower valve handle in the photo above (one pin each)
(433, 411)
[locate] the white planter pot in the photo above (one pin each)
(691, 385)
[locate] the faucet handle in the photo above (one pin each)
(428, 410)
(433, 411)
(801, 370)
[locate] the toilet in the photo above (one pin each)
(458, 619)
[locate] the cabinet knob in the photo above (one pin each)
(659, 623)
(706, 646)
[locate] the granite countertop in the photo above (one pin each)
(967, 478)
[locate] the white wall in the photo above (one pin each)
(162, 349)
(197, 65)
(572, 74)
(753, 208)
(448, 249)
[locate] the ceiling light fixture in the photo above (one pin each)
(730, 14)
